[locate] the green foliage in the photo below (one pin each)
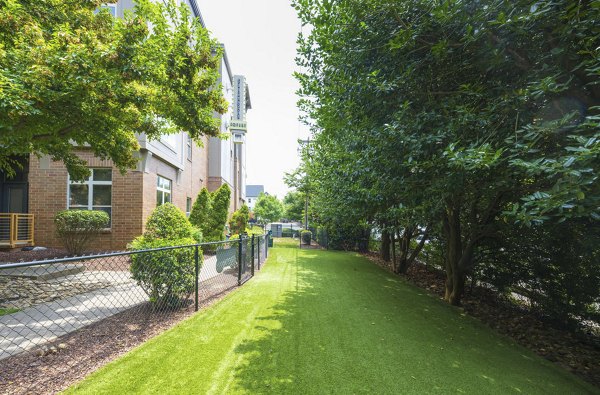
(345, 300)
(306, 236)
(201, 210)
(167, 221)
(167, 276)
(239, 220)
(455, 116)
(77, 228)
(268, 209)
(216, 220)
(289, 232)
(197, 235)
(294, 204)
(255, 230)
(69, 74)
(554, 266)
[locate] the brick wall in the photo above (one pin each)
(48, 195)
(133, 195)
(188, 184)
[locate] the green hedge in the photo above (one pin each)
(77, 228)
(167, 276)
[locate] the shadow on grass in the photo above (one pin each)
(349, 327)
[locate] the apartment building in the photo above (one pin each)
(173, 169)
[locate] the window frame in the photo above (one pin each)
(188, 206)
(160, 189)
(189, 147)
(90, 183)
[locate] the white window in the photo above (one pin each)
(95, 193)
(189, 147)
(188, 206)
(163, 190)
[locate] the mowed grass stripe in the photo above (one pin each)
(321, 322)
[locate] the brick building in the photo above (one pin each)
(173, 169)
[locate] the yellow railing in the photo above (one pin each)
(16, 230)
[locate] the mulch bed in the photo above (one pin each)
(69, 359)
(578, 353)
(16, 255)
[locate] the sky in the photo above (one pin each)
(260, 40)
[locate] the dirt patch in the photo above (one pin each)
(578, 353)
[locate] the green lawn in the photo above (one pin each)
(318, 322)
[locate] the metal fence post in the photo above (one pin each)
(197, 267)
(240, 261)
(252, 251)
(258, 246)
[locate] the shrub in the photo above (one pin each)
(201, 210)
(239, 220)
(167, 276)
(288, 232)
(168, 222)
(255, 230)
(216, 220)
(306, 236)
(197, 235)
(76, 228)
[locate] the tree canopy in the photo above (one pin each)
(268, 209)
(449, 120)
(73, 75)
(294, 205)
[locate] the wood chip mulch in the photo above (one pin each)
(578, 353)
(72, 357)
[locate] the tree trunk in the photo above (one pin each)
(394, 251)
(455, 276)
(385, 245)
(417, 250)
(404, 249)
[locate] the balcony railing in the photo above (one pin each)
(16, 230)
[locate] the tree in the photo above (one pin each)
(294, 205)
(268, 209)
(239, 220)
(201, 210)
(71, 76)
(217, 219)
(452, 116)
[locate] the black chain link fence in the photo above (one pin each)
(45, 302)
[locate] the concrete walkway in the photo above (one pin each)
(39, 324)
(45, 322)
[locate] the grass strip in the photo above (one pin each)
(315, 322)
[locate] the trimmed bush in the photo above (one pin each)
(167, 276)
(216, 220)
(306, 236)
(288, 232)
(239, 220)
(197, 235)
(168, 222)
(201, 210)
(76, 228)
(255, 230)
